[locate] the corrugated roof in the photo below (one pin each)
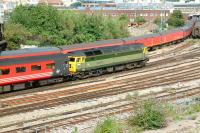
(52, 2)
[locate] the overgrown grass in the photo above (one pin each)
(134, 129)
(194, 108)
(148, 115)
(75, 130)
(109, 125)
(179, 112)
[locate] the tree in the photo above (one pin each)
(15, 34)
(139, 20)
(124, 18)
(157, 21)
(41, 18)
(75, 4)
(177, 14)
(176, 19)
(50, 27)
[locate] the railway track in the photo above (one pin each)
(174, 48)
(157, 73)
(114, 107)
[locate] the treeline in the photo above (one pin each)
(176, 19)
(43, 25)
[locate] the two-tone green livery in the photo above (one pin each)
(97, 61)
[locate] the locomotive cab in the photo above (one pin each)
(75, 62)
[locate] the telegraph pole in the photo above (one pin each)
(162, 13)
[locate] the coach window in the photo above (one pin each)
(20, 69)
(4, 71)
(50, 66)
(35, 67)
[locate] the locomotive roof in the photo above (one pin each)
(114, 49)
(29, 52)
(96, 44)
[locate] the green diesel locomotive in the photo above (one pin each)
(94, 62)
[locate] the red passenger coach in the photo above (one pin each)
(18, 73)
(171, 36)
(22, 68)
(188, 28)
(149, 40)
(165, 37)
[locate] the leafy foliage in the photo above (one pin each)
(75, 130)
(140, 20)
(176, 19)
(38, 18)
(75, 4)
(44, 25)
(148, 116)
(108, 126)
(157, 21)
(16, 34)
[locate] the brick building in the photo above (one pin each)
(149, 15)
(55, 3)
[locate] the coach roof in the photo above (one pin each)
(141, 37)
(29, 52)
(90, 45)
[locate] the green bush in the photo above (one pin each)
(148, 115)
(157, 21)
(194, 108)
(75, 4)
(176, 19)
(46, 25)
(75, 130)
(16, 34)
(109, 125)
(139, 20)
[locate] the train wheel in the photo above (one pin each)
(141, 64)
(99, 72)
(110, 69)
(130, 66)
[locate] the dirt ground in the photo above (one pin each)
(142, 30)
(187, 125)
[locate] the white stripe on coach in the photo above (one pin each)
(18, 78)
